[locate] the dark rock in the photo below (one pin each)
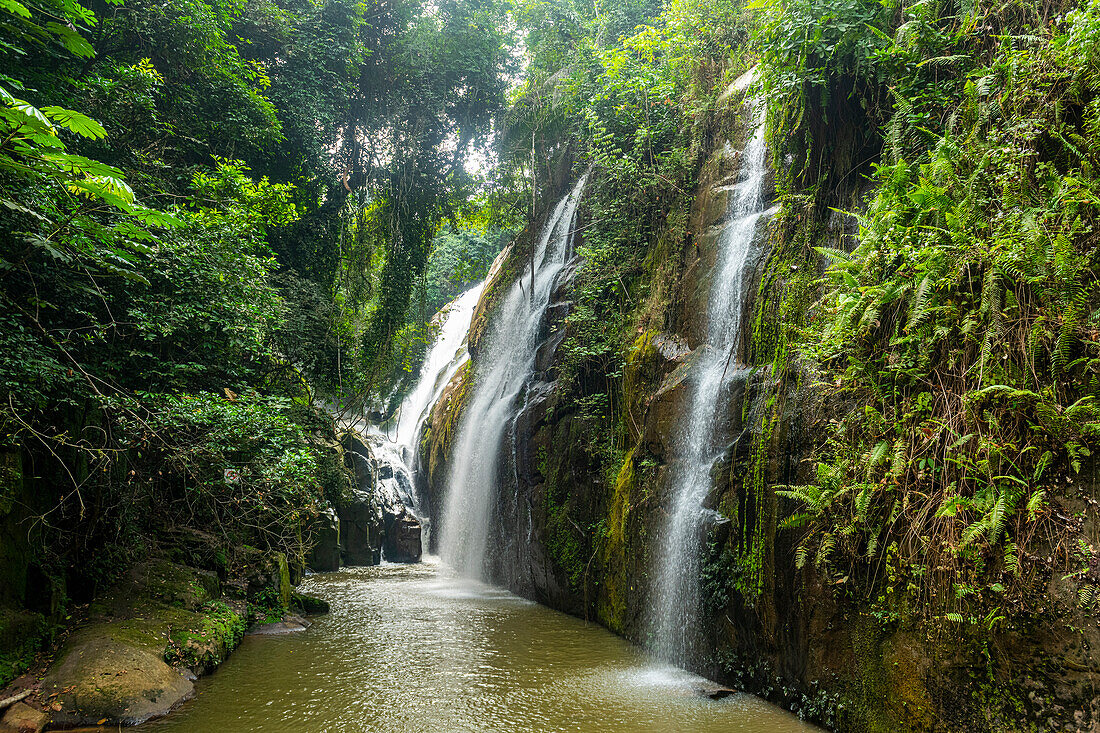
(361, 530)
(325, 555)
(403, 539)
(309, 605)
(360, 515)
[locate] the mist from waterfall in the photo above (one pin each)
(675, 595)
(504, 367)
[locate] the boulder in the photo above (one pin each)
(325, 555)
(22, 718)
(101, 677)
(403, 539)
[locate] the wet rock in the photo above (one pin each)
(360, 515)
(403, 539)
(22, 718)
(101, 677)
(325, 555)
(360, 530)
(289, 625)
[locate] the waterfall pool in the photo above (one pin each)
(411, 649)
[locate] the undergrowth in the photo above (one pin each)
(959, 339)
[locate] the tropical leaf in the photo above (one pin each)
(76, 122)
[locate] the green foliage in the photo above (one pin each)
(962, 323)
(459, 258)
(823, 69)
(641, 104)
(240, 463)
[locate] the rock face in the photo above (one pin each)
(403, 538)
(325, 555)
(377, 521)
(360, 516)
(579, 532)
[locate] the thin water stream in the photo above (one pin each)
(412, 648)
(699, 442)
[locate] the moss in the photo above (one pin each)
(208, 639)
(285, 587)
(446, 416)
(309, 605)
(613, 599)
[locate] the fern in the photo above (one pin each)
(828, 542)
(863, 502)
(1036, 500)
(801, 554)
(921, 298)
(1012, 559)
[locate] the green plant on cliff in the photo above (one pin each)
(962, 326)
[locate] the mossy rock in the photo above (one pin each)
(119, 665)
(309, 605)
(97, 676)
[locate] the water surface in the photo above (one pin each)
(410, 649)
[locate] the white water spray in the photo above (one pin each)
(675, 621)
(506, 364)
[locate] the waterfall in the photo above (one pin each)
(507, 359)
(698, 443)
(395, 453)
(443, 359)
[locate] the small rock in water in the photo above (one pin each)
(721, 693)
(288, 625)
(714, 691)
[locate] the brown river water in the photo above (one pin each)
(411, 649)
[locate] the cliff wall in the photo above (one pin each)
(851, 644)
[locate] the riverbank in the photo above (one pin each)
(411, 648)
(135, 652)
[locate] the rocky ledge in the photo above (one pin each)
(137, 651)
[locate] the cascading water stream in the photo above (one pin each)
(443, 359)
(395, 453)
(675, 621)
(506, 365)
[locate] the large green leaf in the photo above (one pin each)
(15, 8)
(71, 40)
(80, 124)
